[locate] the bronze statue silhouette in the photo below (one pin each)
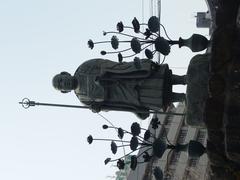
(141, 85)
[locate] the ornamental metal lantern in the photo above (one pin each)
(143, 40)
(154, 146)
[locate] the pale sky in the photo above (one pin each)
(39, 39)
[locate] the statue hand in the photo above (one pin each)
(96, 108)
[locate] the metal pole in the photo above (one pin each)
(159, 17)
(33, 103)
(26, 103)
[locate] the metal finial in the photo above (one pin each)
(26, 103)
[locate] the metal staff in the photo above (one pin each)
(26, 103)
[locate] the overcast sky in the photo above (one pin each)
(40, 38)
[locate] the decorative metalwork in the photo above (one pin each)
(25, 103)
(150, 37)
(156, 145)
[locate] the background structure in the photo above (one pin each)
(179, 165)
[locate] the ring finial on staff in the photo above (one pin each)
(26, 103)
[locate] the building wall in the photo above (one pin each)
(176, 166)
(207, 19)
(180, 166)
(203, 20)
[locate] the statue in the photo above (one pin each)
(137, 86)
(141, 86)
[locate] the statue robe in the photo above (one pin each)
(128, 86)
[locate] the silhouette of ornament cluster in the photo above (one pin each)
(143, 40)
(156, 145)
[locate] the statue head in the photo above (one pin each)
(64, 82)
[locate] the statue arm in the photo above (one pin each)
(128, 70)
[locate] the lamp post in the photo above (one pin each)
(151, 37)
(157, 145)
